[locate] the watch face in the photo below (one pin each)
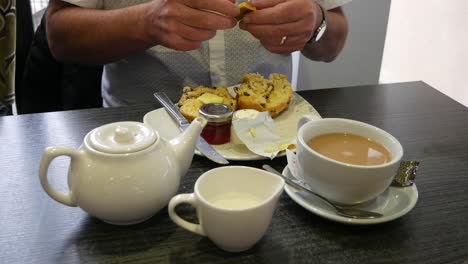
(321, 32)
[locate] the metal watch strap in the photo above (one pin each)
(321, 28)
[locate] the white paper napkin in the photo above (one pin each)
(259, 135)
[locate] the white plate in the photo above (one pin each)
(285, 123)
(393, 203)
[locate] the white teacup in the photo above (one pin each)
(234, 205)
(340, 182)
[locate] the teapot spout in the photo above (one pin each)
(184, 144)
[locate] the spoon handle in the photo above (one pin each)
(295, 184)
(347, 212)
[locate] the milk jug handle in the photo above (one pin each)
(49, 154)
(306, 118)
(189, 199)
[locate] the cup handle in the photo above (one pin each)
(184, 198)
(51, 153)
(306, 118)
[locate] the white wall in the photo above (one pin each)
(428, 40)
(359, 62)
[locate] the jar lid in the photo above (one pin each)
(216, 112)
(122, 137)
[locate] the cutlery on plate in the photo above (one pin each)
(205, 149)
(343, 211)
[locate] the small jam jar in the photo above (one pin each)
(218, 129)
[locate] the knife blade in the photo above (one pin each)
(205, 149)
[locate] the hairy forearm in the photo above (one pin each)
(95, 36)
(332, 42)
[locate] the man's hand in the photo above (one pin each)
(86, 35)
(184, 25)
(296, 20)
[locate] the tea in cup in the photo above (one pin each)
(346, 161)
(234, 205)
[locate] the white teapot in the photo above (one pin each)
(124, 172)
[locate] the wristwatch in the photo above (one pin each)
(321, 29)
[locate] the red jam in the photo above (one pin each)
(218, 128)
(217, 133)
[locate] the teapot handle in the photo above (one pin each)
(184, 198)
(51, 153)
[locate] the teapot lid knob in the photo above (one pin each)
(121, 137)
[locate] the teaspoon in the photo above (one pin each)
(346, 212)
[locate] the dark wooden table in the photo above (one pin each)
(431, 127)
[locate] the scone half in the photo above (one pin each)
(193, 98)
(272, 95)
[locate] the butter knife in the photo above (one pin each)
(206, 149)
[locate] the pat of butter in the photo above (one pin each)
(209, 98)
(252, 132)
(245, 113)
(270, 150)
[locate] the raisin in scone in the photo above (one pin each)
(193, 98)
(272, 95)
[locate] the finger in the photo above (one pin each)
(280, 14)
(283, 49)
(291, 40)
(221, 6)
(261, 4)
(302, 27)
(201, 19)
(191, 33)
(177, 42)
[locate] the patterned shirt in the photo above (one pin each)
(222, 60)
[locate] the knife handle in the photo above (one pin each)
(170, 107)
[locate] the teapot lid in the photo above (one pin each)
(122, 137)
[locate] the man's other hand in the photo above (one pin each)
(184, 24)
(283, 26)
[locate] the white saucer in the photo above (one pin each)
(393, 203)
